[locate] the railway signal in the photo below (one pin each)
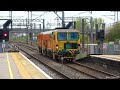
(102, 35)
(6, 35)
(97, 35)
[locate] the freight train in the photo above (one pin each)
(60, 44)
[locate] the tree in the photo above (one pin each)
(114, 32)
(87, 25)
(79, 24)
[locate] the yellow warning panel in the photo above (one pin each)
(22, 70)
(26, 69)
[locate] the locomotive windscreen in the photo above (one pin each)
(72, 36)
(62, 36)
(70, 45)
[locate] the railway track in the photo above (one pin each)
(53, 69)
(81, 68)
(60, 69)
(98, 74)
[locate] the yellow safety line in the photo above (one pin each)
(30, 68)
(9, 67)
(25, 68)
(22, 70)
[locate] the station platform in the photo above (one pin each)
(110, 57)
(14, 65)
(111, 60)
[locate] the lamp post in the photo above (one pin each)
(117, 16)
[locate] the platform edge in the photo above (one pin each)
(36, 67)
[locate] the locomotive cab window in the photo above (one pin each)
(62, 36)
(72, 36)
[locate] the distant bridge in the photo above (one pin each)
(24, 30)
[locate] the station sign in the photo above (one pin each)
(3, 41)
(3, 45)
(105, 46)
(110, 46)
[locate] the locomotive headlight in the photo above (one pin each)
(56, 46)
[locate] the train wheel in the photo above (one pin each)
(40, 50)
(71, 60)
(48, 53)
(62, 60)
(56, 58)
(53, 56)
(45, 52)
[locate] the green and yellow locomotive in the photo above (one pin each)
(59, 43)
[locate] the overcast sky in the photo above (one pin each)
(50, 16)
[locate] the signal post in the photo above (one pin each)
(4, 38)
(100, 37)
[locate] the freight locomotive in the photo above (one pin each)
(59, 43)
